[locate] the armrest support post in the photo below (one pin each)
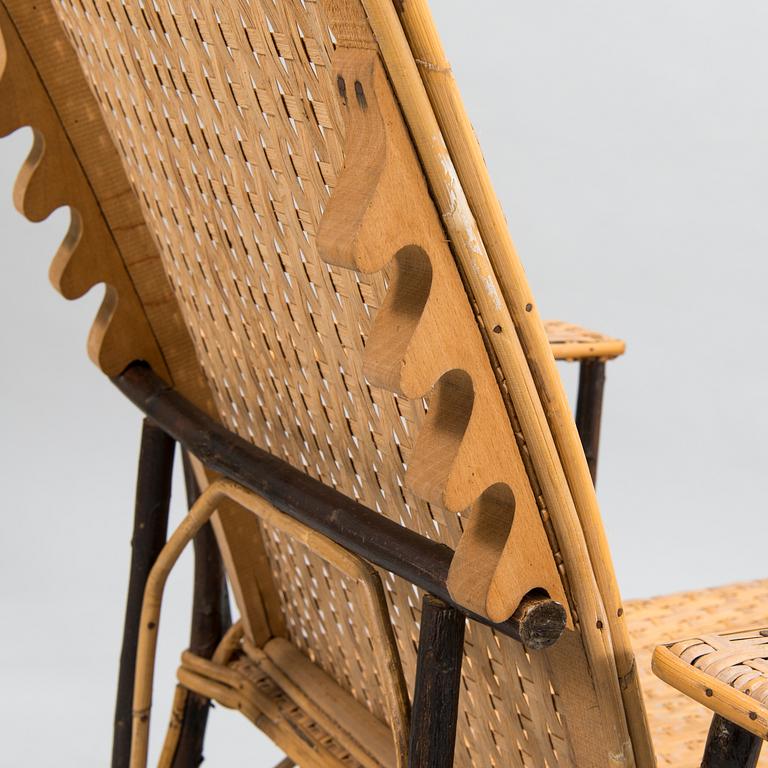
(729, 746)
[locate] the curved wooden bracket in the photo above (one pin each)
(52, 177)
(425, 342)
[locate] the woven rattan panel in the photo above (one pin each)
(226, 116)
(317, 598)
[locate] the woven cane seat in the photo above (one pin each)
(679, 723)
(572, 342)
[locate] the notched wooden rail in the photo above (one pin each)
(52, 177)
(425, 342)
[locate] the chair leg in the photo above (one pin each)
(438, 678)
(150, 528)
(729, 746)
(589, 409)
(210, 620)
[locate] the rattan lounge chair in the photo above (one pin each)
(312, 290)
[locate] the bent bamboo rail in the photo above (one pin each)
(374, 609)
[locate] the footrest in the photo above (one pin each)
(301, 708)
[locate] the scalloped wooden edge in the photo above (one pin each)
(42, 85)
(613, 675)
(51, 177)
(425, 342)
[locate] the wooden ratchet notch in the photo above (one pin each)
(425, 342)
(51, 177)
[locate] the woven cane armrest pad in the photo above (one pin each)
(572, 342)
(727, 673)
(678, 723)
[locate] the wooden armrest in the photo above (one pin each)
(727, 673)
(569, 341)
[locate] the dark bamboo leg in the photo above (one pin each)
(589, 409)
(210, 620)
(729, 746)
(438, 677)
(150, 528)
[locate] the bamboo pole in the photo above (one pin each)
(496, 307)
(150, 528)
(451, 115)
(374, 614)
(437, 685)
(200, 513)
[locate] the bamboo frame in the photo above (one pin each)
(375, 609)
(710, 692)
(502, 263)
(729, 746)
(562, 477)
(211, 619)
(150, 526)
(537, 624)
(589, 410)
(437, 685)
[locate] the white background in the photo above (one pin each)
(628, 142)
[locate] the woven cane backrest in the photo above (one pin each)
(232, 128)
